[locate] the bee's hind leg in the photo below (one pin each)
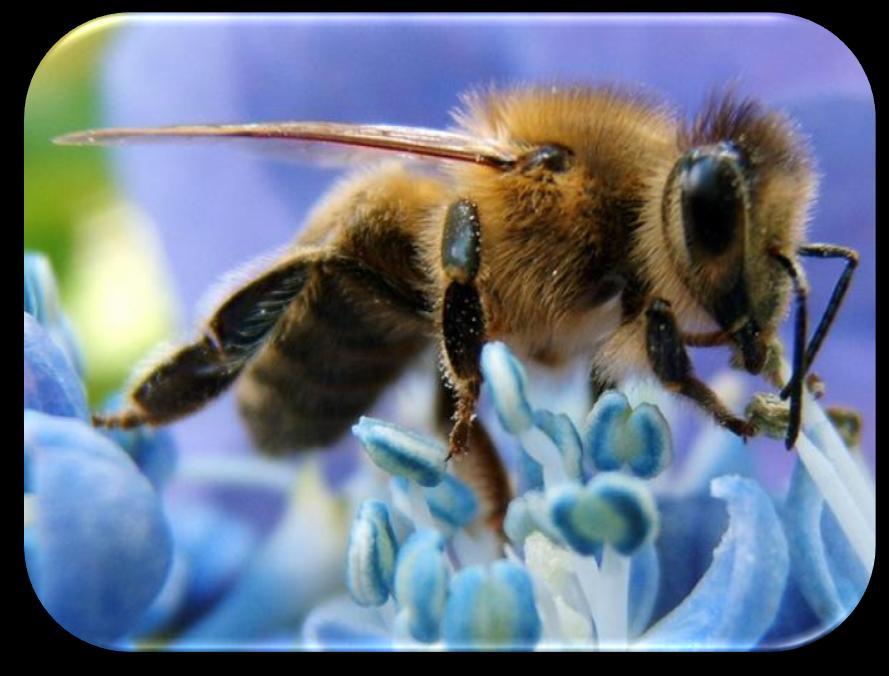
(194, 374)
(671, 364)
(462, 317)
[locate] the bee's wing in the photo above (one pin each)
(324, 141)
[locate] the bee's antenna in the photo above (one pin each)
(794, 388)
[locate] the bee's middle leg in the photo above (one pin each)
(671, 364)
(462, 318)
(482, 467)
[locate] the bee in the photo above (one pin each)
(564, 222)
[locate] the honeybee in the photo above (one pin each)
(565, 222)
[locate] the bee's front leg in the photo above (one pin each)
(671, 365)
(462, 318)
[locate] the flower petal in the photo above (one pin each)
(51, 384)
(103, 545)
(491, 609)
(337, 624)
(644, 586)
(153, 449)
(41, 290)
(402, 452)
(736, 601)
(815, 572)
(298, 564)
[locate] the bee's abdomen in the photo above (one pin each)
(333, 356)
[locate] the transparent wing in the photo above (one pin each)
(327, 142)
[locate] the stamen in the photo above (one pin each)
(506, 381)
(421, 584)
(491, 609)
(611, 509)
(615, 435)
(401, 452)
(370, 556)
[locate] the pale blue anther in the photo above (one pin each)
(401, 452)
(506, 381)
(370, 556)
(616, 435)
(421, 584)
(491, 609)
(613, 509)
(518, 523)
(561, 431)
(452, 502)
(528, 513)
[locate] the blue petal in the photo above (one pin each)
(370, 555)
(402, 452)
(297, 565)
(41, 291)
(216, 547)
(338, 624)
(452, 501)
(690, 529)
(849, 574)
(506, 381)
(644, 585)
(715, 452)
(831, 580)
(737, 600)
(153, 449)
(103, 545)
(491, 610)
(421, 583)
(563, 434)
(51, 384)
(612, 508)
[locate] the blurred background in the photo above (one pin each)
(137, 236)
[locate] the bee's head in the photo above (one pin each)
(736, 199)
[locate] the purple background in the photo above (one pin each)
(217, 208)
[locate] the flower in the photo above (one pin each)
(588, 553)
(127, 546)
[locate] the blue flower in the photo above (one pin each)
(593, 562)
(99, 544)
(117, 562)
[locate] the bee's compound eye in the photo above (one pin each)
(712, 201)
(551, 156)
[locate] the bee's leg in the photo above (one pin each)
(671, 364)
(462, 320)
(198, 372)
(481, 467)
(836, 297)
